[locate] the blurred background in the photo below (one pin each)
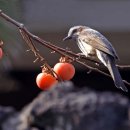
(51, 21)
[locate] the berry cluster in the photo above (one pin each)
(63, 70)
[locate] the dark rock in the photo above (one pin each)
(5, 113)
(67, 108)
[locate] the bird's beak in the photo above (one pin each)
(67, 38)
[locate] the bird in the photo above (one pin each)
(92, 43)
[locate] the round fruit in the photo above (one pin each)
(45, 81)
(1, 52)
(65, 70)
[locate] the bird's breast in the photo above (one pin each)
(85, 48)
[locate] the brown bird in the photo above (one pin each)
(93, 43)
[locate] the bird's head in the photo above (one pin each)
(74, 32)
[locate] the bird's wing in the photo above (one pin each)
(98, 41)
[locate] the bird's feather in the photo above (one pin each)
(115, 74)
(98, 41)
(109, 62)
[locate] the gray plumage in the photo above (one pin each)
(93, 43)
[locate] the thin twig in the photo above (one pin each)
(32, 47)
(123, 66)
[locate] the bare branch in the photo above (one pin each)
(123, 66)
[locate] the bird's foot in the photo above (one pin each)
(81, 55)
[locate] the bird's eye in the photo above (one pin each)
(74, 31)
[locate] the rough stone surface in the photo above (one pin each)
(5, 113)
(67, 108)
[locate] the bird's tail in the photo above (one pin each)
(115, 74)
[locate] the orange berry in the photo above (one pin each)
(65, 70)
(45, 81)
